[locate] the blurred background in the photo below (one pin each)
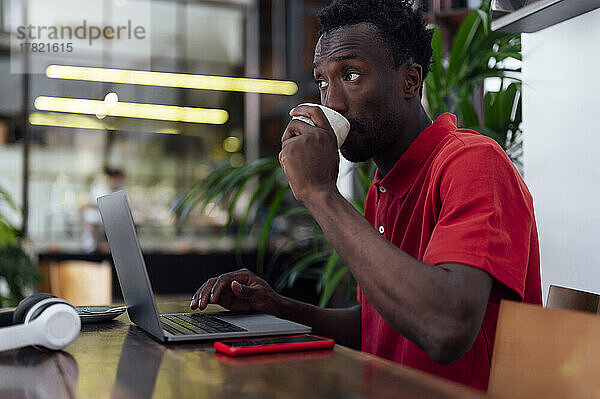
(184, 110)
(69, 132)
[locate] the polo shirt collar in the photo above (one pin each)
(405, 171)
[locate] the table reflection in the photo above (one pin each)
(29, 373)
(118, 360)
(138, 368)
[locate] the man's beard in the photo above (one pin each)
(375, 139)
(360, 154)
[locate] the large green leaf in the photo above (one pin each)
(434, 82)
(290, 276)
(264, 237)
(9, 233)
(469, 116)
(257, 199)
(288, 245)
(7, 200)
(459, 53)
(219, 184)
(477, 54)
(330, 265)
(16, 268)
(437, 58)
(331, 285)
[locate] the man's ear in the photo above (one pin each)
(413, 80)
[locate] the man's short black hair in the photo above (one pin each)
(400, 26)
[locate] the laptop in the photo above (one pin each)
(139, 297)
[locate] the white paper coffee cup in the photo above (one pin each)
(339, 124)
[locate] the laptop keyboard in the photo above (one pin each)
(196, 323)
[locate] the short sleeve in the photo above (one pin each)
(485, 214)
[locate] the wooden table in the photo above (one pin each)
(118, 360)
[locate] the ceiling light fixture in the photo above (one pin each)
(169, 79)
(132, 110)
(60, 119)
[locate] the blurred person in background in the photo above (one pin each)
(112, 180)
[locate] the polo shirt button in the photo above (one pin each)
(382, 189)
(381, 229)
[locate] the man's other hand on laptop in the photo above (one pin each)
(238, 290)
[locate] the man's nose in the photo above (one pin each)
(335, 98)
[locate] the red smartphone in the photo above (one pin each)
(239, 347)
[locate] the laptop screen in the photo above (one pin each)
(129, 262)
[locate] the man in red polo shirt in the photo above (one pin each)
(448, 229)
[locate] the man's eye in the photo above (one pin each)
(321, 84)
(352, 76)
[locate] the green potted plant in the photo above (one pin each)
(17, 271)
(477, 54)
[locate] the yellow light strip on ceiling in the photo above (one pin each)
(80, 122)
(168, 79)
(132, 110)
(66, 120)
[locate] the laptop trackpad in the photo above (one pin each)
(261, 322)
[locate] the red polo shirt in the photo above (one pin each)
(454, 196)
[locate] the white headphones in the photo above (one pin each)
(40, 319)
